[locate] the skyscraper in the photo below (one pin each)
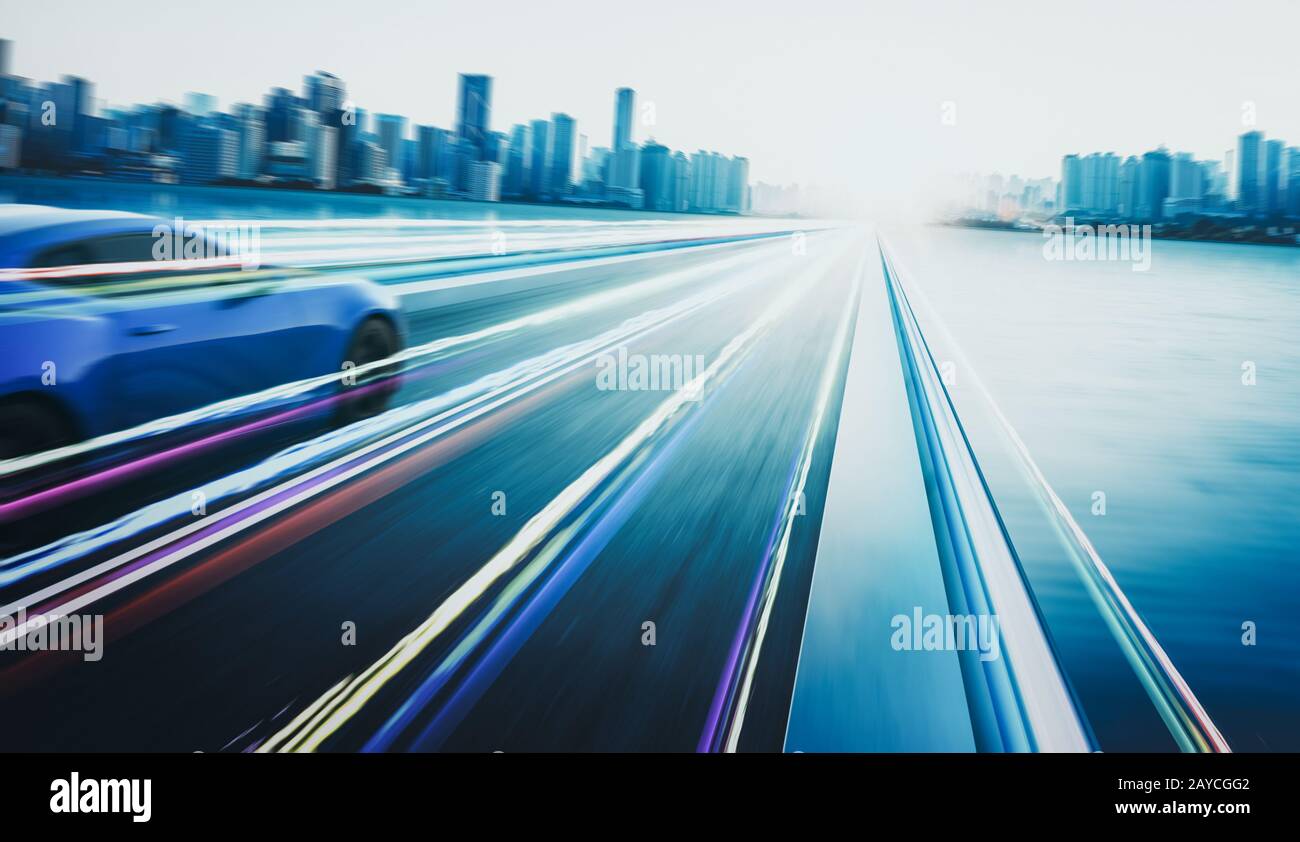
(682, 181)
(540, 155)
(1153, 184)
(252, 140)
(624, 156)
(737, 199)
(323, 92)
(208, 153)
(351, 158)
(1071, 182)
(657, 177)
(320, 144)
(515, 182)
(1272, 179)
(391, 129)
(560, 163)
(624, 108)
(1293, 181)
(710, 180)
(10, 146)
(281, 117)
(1249, 194)
(474, 109)
(426, 161)
(1185, 177)
(1099, 177)
(484, 181)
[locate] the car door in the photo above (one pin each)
(185, 340)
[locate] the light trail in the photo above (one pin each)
(363, 687)
(726, 717)
(274, 394)
(157, 554)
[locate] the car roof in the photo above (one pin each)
(27, 229)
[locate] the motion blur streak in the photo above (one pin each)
(500, 387)
(732, 696)
(286, 391)
(333, 715)
(509, 643)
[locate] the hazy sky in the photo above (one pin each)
(845, 92)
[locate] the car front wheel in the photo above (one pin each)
(369, 394)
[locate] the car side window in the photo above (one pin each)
(117, 248)
(68, 254)
(123, 248)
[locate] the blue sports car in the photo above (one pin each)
(88, 351)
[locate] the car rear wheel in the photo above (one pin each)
(31, 427)
(370, 393)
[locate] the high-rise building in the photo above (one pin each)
(281, 115)
(1293, 181)
(371, 163)
(208, 153)
(710, 181)
(1272, 178)
(560, 163)
(657, 177)
(515, 180)
(391, 131)
(11, 138)
(1153, 184)
(484, 181)
(737, 199)
(624, 155)
(1099, 183)
(624, 109)
(464, 152)
(624, 168)
(682, 179)
(540, 152)
(1249, 190)
(1071, 182)
(252, 140)
(495, 147)
(321, 147)
(1185, 177)
(350, 156)
(474, 109)
(323, 92)
(426, 152)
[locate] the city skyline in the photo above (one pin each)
(798, 92)
(1256, 179)
(324, 139)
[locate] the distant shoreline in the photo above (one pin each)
(1159, 231)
